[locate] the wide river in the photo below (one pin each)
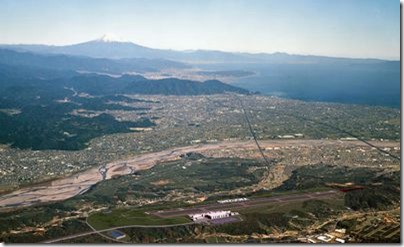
(64, 188)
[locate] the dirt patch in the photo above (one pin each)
(119, 169)
(161, 182)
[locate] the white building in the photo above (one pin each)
(311, 241)
(340, 240)
(218, 214)
(341, 230)
(324, 238)
(233, 200)
(212, 215)
(196, 217)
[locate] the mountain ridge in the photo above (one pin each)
(109, 47)
(83, 63)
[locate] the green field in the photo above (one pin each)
(126, 217)
(183, 177)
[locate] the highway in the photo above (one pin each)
(268, 163)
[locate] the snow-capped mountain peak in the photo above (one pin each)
(109, 38)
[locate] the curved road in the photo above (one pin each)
(111, 229)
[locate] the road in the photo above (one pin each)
(111, 229)
(252, 132)
(244, 204)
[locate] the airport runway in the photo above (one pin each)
(244, 204)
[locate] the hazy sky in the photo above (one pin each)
(348, 28)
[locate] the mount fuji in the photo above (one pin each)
(110, 46)
(306, 77)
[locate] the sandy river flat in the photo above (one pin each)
(64, 188)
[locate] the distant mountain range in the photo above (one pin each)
(30, 76)
(82, 63)
(306, 77)
(129, 84)
(106, 47)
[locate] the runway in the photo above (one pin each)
(244, 204)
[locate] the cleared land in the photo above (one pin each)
(245, 204)
(138, 218)
(125, 217)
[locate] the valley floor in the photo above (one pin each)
(65, 188)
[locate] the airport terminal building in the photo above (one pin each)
(212, 215)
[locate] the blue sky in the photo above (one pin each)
(346, 28)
